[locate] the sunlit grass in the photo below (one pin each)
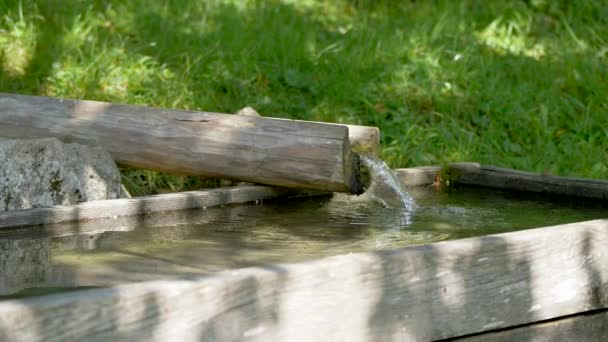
(512, 37)
(17, 41)
(517, 84)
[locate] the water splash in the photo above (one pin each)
(385, 187)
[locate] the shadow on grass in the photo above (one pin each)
(438, 91)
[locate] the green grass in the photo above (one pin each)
(519, 84)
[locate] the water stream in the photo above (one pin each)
(385, 188)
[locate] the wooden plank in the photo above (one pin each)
(279, 152)
(420, 293)
(509, 179)
(138, 205)
(591, 327)
(495, 177)
(174, 218)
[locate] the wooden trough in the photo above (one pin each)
(545, 284)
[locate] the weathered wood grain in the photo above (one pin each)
(502, 178)
(138, 205)
(508, 179)
(592, 327)
(279, 152)
(421, 293)
(362, 138)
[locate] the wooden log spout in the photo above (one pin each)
(280, 152)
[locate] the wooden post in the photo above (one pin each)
(278, 152)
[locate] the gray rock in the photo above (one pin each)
(45, 172)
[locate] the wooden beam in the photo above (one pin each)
(138, 205)
(502, 178)
(508, 179)
(362, 138)
(421, 293)
(278, 152)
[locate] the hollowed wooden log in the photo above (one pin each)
(280, 152)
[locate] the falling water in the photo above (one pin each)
(385, 187)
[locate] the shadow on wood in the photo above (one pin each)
(422, 293)
(280, 152)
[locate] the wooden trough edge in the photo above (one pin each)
(468, 174)
(509, 179)
(140, 205)
(585, 327)
(421, 293)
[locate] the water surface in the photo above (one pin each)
(195, 242)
